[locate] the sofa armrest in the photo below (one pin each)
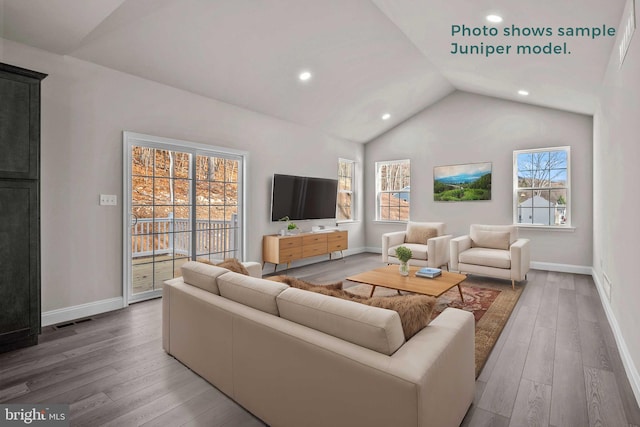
(438, 251)
(441, 355)
(456, 247)
(389, 240)
(520, 258)
(254, 268)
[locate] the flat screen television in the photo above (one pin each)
(301, 198)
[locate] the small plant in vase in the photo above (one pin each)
(403, 253)
(291, 227)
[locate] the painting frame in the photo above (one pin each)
(463, 182)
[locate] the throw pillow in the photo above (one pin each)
(491, 239)
(414, 310)
(418, 233)
(230, 264)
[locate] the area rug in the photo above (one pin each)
(490, 300)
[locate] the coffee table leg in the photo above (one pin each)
(460, 290)
(373, 288)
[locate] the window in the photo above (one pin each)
(346, 184)
(541, 185)
(393, 190)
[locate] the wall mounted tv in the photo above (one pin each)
(300, 197)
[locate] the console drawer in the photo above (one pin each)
(313, 239)
(289, 254)
(314, 250)
(337, 241)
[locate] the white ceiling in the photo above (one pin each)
(367, 57)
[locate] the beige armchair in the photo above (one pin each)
(491, 250)
(427, 240)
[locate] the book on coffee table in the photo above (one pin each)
(428, 272)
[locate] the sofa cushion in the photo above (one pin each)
(414, 310)
(418, 251)
(370, 327)
(491, 239)
(202, 275)
(250, 291)
(488, 257)
(419, 233)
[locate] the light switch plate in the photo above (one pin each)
(108, 200)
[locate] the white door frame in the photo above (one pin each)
(131, 139)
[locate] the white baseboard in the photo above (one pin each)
(632, 372)
(373, 250)
(68, 314)
(561, 268)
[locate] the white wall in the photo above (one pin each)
(469, 128)
(616, 230)
(86, 107)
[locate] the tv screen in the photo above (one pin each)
(301, 197)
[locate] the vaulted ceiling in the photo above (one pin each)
(366, 57)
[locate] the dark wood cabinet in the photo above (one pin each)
(19, 207)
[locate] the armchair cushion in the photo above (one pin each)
(497, 258)
(418, 251)
(491, 239)
(419, 233)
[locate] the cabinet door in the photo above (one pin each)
(19, 126)
(19, 264)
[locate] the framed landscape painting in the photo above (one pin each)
(461, 183)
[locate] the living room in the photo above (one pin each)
(86, 106)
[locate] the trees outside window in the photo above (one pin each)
(393, 190)
(346, 186)
(541, 185)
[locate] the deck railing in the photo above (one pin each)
(159, 236)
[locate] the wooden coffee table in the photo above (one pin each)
(389, 277)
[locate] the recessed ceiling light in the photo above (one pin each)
(304, 76)
(494, 18)
(386, 116)
(523, 92)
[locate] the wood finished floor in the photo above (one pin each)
(555, 364)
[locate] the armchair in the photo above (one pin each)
(491, 250)
(427, 240)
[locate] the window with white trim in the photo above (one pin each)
(541, 187)
(346, 185)
(393, 190)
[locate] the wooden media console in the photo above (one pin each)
(278, 249)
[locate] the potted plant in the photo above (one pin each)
(290, 227)
(403, 253)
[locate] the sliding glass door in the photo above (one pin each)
(184, 202)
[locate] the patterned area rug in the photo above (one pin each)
(490, 300)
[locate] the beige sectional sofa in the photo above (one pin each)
(298, 358)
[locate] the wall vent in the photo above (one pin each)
(626, 29)
(66, 325)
